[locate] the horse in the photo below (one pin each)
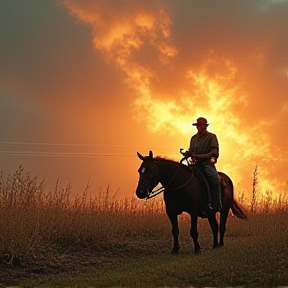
(185, 191)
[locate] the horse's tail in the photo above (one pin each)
(238, 210)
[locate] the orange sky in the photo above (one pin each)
(86, 84)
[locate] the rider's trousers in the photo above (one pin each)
(210, 172)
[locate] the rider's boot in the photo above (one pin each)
(216, 197)
(209, 207)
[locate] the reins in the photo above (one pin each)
(161, 189)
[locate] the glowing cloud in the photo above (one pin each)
(214, 88)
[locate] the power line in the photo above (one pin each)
(79, 145)
(61, 144)
(33, 153)
(61, 154)
(69, 154)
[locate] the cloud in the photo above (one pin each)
(121, 27)
(224, 60)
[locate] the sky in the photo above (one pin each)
(85, 84)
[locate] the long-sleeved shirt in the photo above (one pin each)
(204, 146)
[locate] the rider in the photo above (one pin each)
(204, 151)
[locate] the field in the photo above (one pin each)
(51, 239)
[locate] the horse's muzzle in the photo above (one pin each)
(142, 193)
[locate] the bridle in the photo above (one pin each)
(152, 194)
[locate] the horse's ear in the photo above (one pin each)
(150, 154)
(140, 156)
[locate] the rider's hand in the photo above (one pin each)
(186, 154)
(194, 158)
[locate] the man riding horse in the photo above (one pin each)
(204, 152)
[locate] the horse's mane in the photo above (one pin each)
(163, 158)
(167, 160)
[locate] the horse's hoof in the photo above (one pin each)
(174, 252)
(197, 252)
(216, 246)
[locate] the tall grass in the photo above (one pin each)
(35, 222)
(32, 219)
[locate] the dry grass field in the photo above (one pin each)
(51, 237)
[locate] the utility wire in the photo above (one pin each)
(79, 145)
(61, 154)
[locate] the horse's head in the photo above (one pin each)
(148, 176)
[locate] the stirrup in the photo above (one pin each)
(209, 207)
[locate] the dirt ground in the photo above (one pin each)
(74, 260)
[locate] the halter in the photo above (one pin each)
(161, 189)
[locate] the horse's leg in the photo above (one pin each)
(194, 234)
(175, 232)
(214, 227)
(223, 218)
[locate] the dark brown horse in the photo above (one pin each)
(185, 191)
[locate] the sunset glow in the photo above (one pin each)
(212, 90)
(142, 71)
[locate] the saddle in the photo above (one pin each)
(204, 213)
